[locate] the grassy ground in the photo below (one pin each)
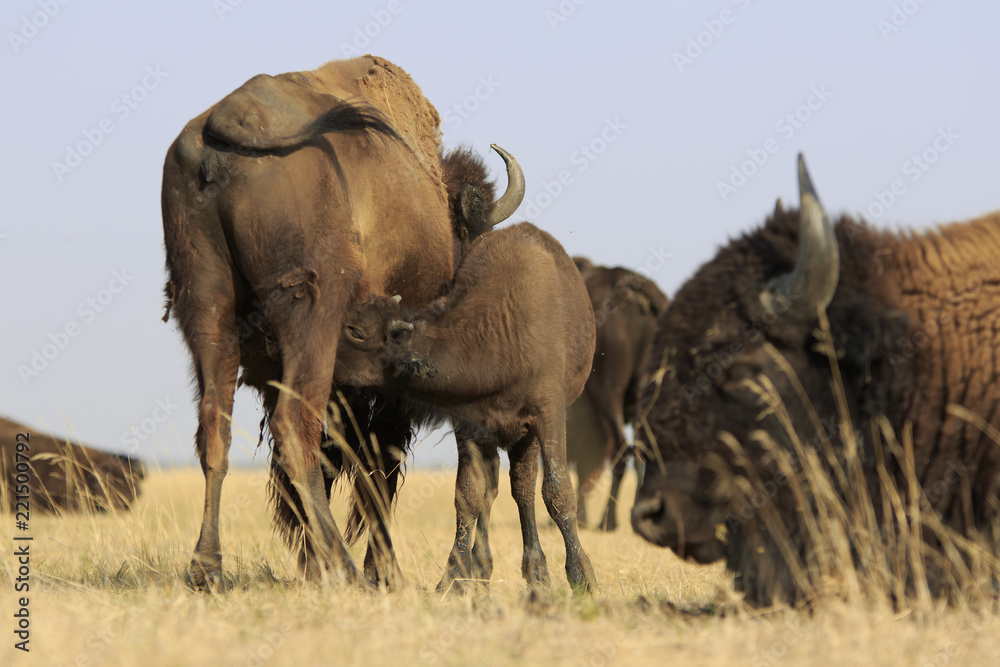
(108, 590)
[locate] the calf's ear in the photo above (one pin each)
(399, 330)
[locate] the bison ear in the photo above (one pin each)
(879, 336)
(472, 206)
(810, 286)
(398, 330)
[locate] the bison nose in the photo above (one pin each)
(647, 514)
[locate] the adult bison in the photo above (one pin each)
(64, 476)
(283, 204)
(626, 308)
(501, 354)
(741, 357)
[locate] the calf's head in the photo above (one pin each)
(375, 346)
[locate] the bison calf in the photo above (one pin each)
(502, 355)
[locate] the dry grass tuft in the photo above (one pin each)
(108, 590)
(845, 542)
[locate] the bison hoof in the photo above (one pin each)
(581, 576)
(388, 581)
(461, 586)
(318, 573)
(534, 569)
(206, 579)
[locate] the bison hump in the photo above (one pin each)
(267, 112)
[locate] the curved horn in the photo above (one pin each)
(510, 199)
(811, 284)
(397, 327)
(396, 298)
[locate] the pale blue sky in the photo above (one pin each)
(662, 132)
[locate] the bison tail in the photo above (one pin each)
(343, 117)
(348, 118)
(168, 293)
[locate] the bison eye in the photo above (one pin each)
(355, 333)
(735, 379)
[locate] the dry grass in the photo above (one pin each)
(107, 590)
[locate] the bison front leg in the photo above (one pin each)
(557, 492)
(619, 463)
(389, 419)
(482, 558)
(523, 477)
(613, 428)
(471, 488)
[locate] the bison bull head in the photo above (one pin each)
(688, 490)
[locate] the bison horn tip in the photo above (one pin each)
(813, 281)
(511, 199)
(396, 298)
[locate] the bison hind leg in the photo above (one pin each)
(211, 335)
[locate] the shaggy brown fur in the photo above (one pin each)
(626, 309)
(283, 204)
(502, 355)
(64, 476)
(914, 320)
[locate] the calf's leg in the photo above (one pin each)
(471, 502)
(557, 492)
(523, 476)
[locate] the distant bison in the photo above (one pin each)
(626, 307)
(64, 476)
(739, 358)
(501, 354)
